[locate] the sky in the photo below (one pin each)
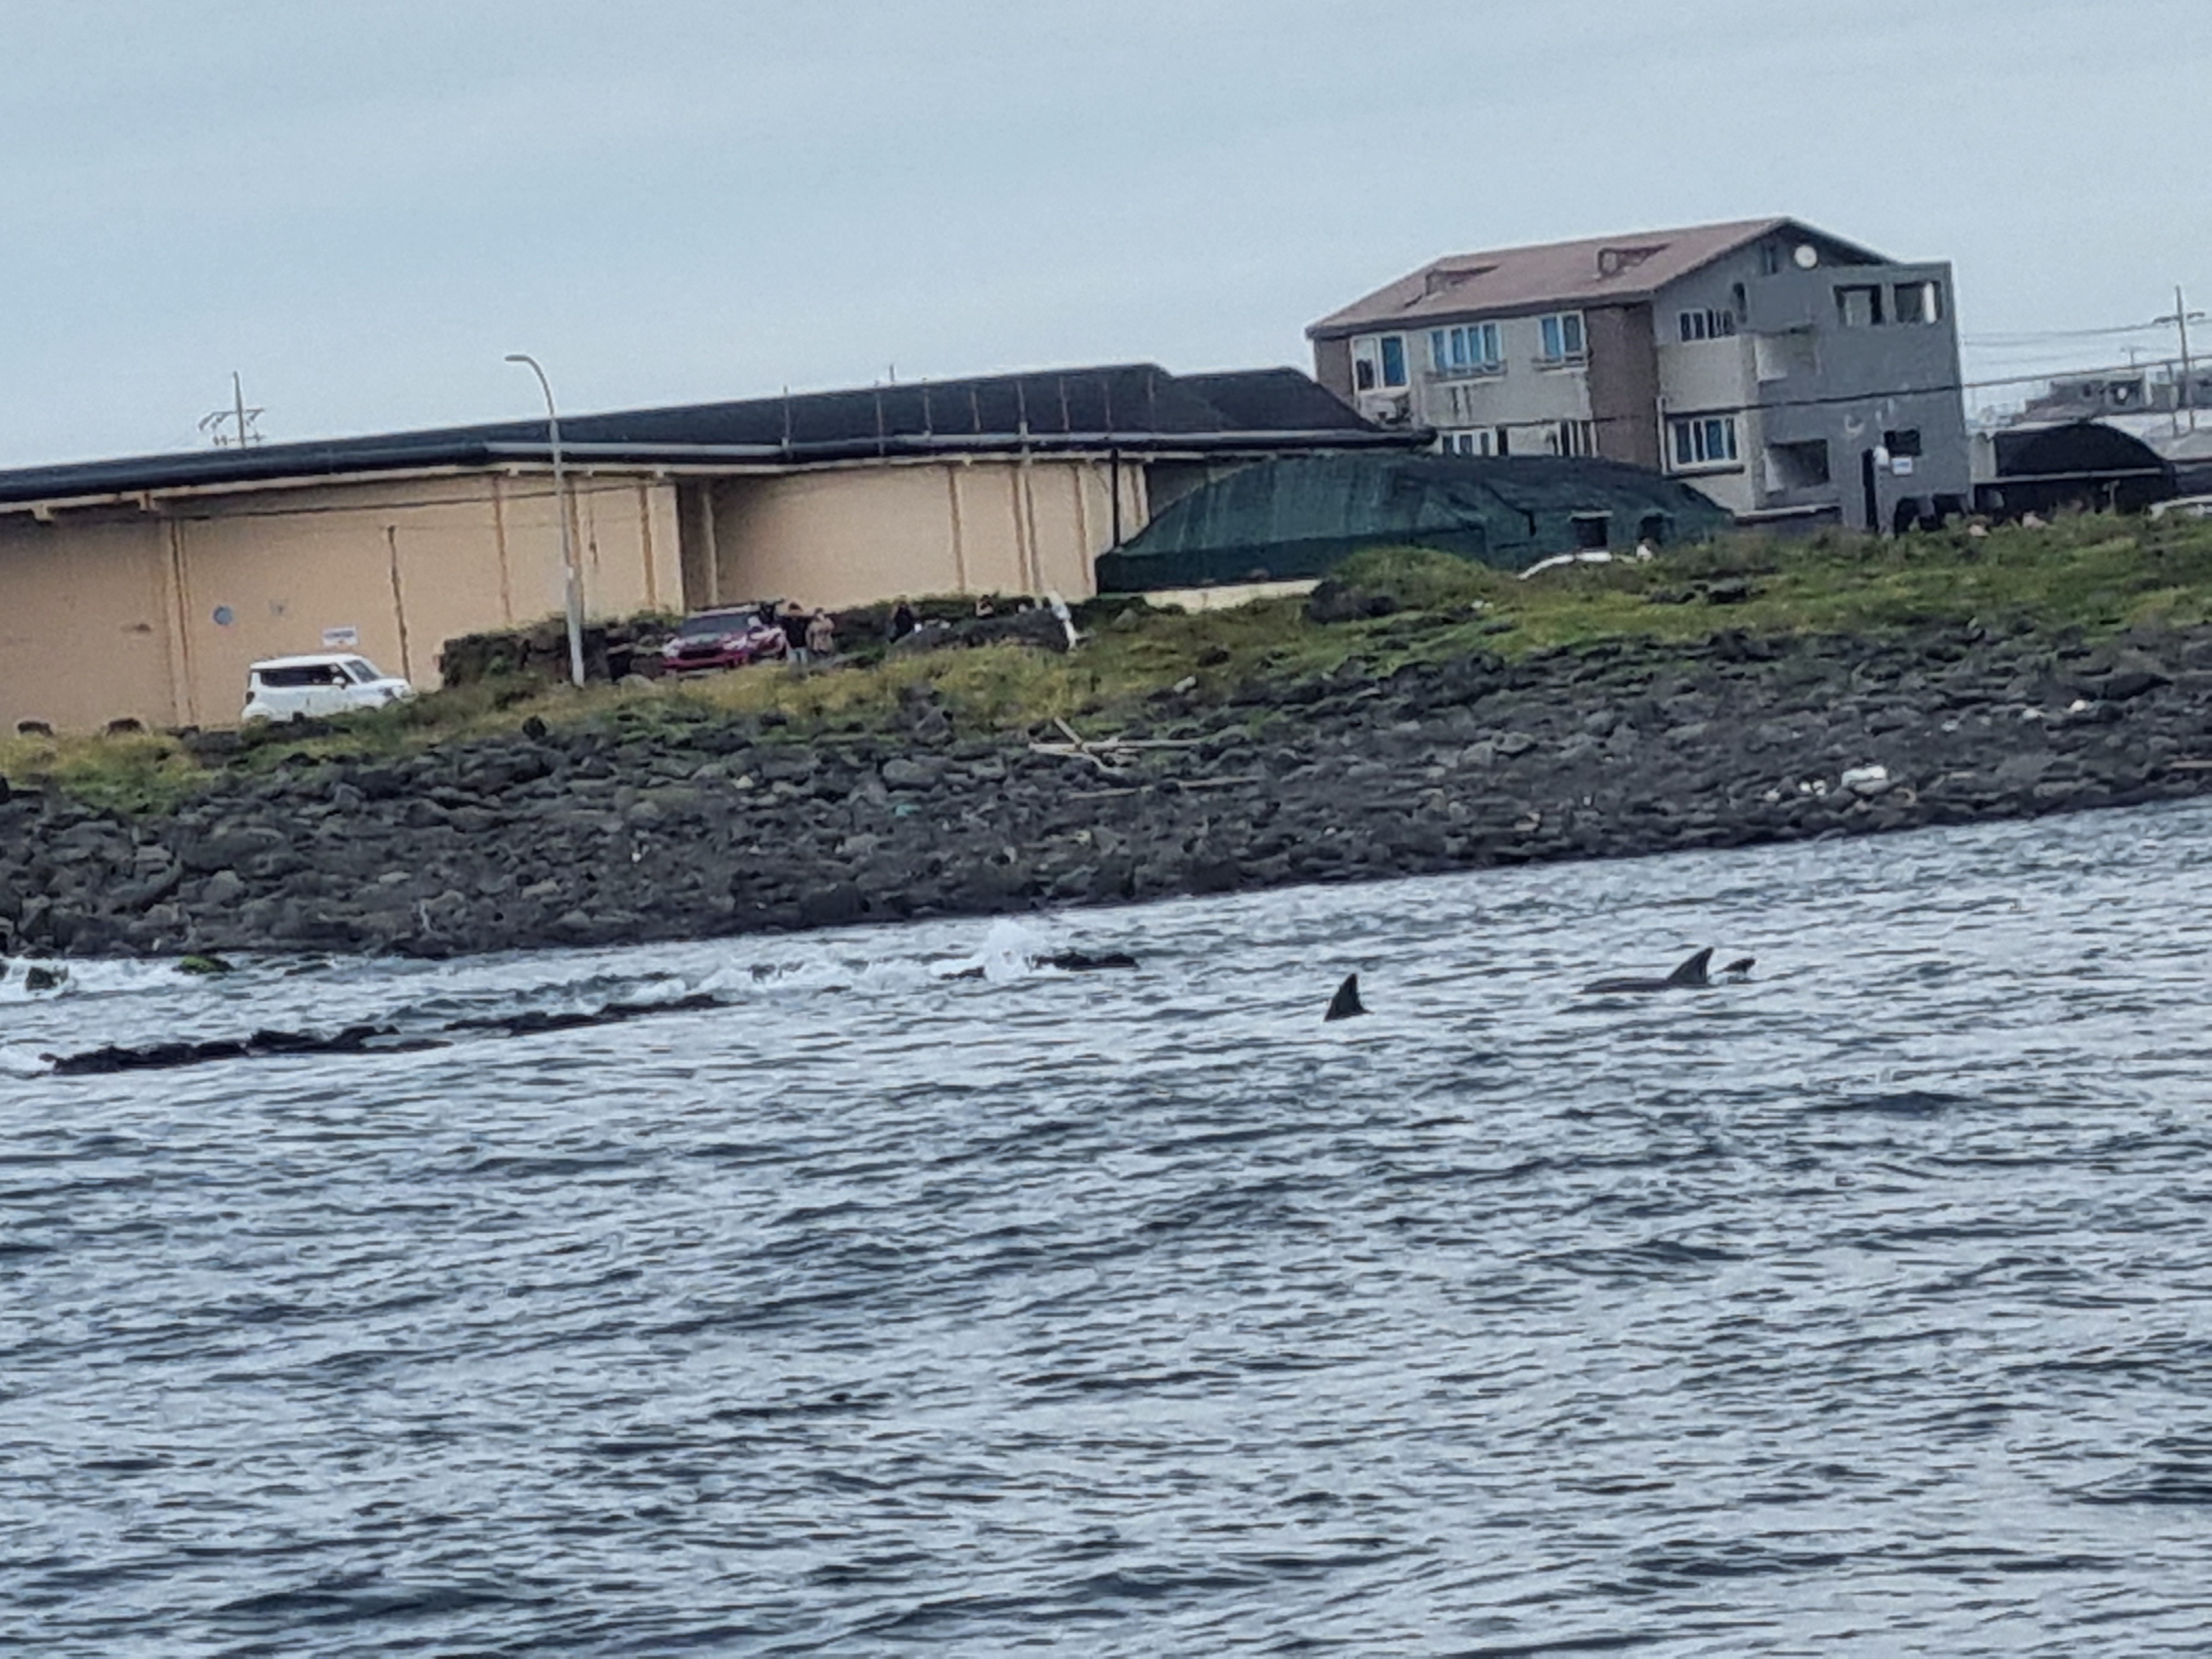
(361, 206)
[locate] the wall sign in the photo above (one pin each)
(335, 639)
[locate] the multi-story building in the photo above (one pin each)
(1783, 371)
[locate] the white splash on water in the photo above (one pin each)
(16, 1060)
(1007, 953)
(90, 976)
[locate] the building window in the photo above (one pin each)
(1570, 438)
(1859, 308)
(1592, 530)
(1505, 440)
(1466, 443)
(1905, 441)
(1472, 350)
(1797, 465)
(1710, 441)
(1562, 332)
(1917, 303)
(1778, 355)
(1393, 360)
(1706, 322)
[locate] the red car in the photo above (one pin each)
(723, 639)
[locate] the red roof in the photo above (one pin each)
(1592, 271)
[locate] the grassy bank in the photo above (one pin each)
(2100, 574)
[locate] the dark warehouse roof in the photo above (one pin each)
(1136, 408)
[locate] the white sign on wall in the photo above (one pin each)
(340, 639)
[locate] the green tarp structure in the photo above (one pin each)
(1286, 520)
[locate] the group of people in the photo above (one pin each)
(807, 638)
(813, 637)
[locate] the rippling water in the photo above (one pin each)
(1860, 1309)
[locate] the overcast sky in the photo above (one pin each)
(360, 205)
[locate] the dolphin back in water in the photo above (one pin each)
(1346, 1003)
(1692, 976)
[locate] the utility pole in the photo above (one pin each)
(2181, 318)
(238, 417)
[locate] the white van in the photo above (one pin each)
(286, 688)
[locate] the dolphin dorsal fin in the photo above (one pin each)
(1693, 972)
(1346, 1003)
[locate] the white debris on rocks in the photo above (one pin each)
(1865, 780)
(1593, 555)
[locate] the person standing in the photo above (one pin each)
(821, 636)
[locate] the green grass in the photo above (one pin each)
(136, 774)
(2100, 573)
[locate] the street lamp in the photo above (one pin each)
(575, 605)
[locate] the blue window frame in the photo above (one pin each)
(1710, 441)
(1393, 360)
(1562, 335)
(1471, 349)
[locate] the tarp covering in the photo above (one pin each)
(2085, 464)
(1278, 520)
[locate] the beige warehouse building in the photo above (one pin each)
(142, 588)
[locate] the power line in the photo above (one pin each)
(2032, 335)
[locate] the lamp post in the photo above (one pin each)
(575, 585)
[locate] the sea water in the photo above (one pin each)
(1862, 1308)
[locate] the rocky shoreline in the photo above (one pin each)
(684, 823)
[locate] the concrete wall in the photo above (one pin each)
(1525, 395)
(1624, 383)
(1796, 375)
(153, 613)
(1333, 366)
(87, 624)
(1846, 386)
(847, 536)
(1706, 374)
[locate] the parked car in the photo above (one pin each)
(288, 688)
(728, 638)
